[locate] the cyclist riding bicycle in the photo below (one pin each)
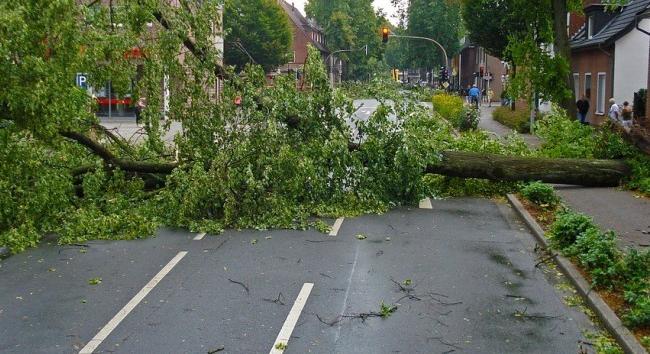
(474, 94)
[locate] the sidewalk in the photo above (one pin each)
(612, 208)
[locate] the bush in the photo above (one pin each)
(518, 119)
(568, 226)
(449, 107)
(470, 119)
(541, 194)
(597, 252)
(639, 314)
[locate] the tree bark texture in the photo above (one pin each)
(589, 173)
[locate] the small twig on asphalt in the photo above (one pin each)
(523, 314)
(449, 351)
(240, 283)
(442, 341)
(325, 275)
(514, 296)
(220, 349)
(277, 300)
(444, 303)
(543, 260)
(316, 241)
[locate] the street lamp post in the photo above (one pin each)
(330, 58)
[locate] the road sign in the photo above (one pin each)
(445, 84)
(82, 81)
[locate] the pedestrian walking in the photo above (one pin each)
(490, 96)
(583, 108)
(626, 114)
(468, 98)
(614, 111)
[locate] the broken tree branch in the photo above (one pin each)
(112, 161)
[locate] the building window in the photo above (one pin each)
(576, 85)
(600, 98)
(588, 85)
(590, 27)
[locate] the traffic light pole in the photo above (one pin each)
(426, 39)
(330, 58)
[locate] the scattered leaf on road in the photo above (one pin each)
(94, 281)
(361, 237)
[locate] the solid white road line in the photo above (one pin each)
(336, 227)
(199, 237)
(426, 204)
(290, 323)
(119, 317)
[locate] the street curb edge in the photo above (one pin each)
(623, 336)
(4, 252)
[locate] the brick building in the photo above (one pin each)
(474, 66)
(305, 32)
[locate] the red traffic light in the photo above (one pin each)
(384, 33)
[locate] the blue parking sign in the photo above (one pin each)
(82, 81)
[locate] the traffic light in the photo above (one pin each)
(384, 34)
(444, 74)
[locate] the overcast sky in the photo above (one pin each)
(383, 4)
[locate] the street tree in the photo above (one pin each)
(436, 19)
(257, 31)
(351, 25)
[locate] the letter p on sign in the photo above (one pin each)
(82, 81)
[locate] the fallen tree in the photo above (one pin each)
(582, 172)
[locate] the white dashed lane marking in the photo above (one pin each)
(290, 323)
(115, 321)
(336, 226)
(199, 237)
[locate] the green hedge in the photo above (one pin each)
(518, 119)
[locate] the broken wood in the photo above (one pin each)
(583, 172)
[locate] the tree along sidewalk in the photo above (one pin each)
(624, 212)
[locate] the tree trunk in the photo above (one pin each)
(590, 173)
(562, 49)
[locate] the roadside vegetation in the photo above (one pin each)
(519, 119)
(451, 108)
(621, 278)
(567, 138)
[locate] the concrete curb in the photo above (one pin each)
(4, 252)
(623, 336)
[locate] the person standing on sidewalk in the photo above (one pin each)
(614, 111)
(139, 106)
(490, 96)
(583, 109)
(626, 114)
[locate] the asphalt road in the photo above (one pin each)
(461, 276)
